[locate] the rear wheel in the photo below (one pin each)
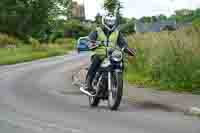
(115, 95)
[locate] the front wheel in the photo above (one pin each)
(93, 100)
(116, 92)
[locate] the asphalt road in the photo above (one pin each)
(38, 97)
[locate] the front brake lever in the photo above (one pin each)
(130, 52)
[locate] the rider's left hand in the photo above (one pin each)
(131, 59)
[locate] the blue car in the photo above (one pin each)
(82, 44)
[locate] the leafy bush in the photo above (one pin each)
(196, 22)
(34, 43)
(128, 28)
(56, 35)
(8, 40)
(37, 46)
(70, 29)
(168, 59)
(76, 29)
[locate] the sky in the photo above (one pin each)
(140, 8)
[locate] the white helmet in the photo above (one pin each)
(109, 21)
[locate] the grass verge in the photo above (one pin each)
(24, 53)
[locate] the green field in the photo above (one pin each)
(29, 52)
(166, 60)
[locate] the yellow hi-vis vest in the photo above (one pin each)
(102, 38)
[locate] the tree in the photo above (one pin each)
(162, 17)
(112, 6)
(145, 19)
(98, 19)
(172, 18)
(30, 17)
(124, 20)
(128, 28)
(183, 12)
(197, 13)
(154, 19)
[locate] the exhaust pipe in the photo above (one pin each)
(86, 92)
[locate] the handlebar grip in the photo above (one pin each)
(130, 52)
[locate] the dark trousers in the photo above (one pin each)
(96, 62)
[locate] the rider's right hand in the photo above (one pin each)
(92, 45)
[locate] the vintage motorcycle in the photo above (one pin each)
(108, 81)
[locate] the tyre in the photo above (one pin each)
(115, 96)
(93, 101)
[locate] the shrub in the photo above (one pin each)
(36, 46)
(70, 29)
(128, 28)
(64, 41)
(196, 22)
(169, 58)
(8, 40)
(68, 43)
(55, 36)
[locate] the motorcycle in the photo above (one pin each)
(108, 81)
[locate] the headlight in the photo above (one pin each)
(116, 55)
(106, 63)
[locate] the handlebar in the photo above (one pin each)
(129, 51)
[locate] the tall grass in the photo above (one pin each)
(169, 60)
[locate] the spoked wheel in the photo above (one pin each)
(94, 100)
(116, 92)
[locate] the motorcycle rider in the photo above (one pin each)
(108, 32)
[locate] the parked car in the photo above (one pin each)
(82, 44)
